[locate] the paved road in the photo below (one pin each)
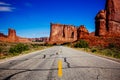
(43, 65)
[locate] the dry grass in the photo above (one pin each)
(5, 49)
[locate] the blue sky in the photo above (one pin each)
(31, 18)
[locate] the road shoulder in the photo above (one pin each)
(103, 56)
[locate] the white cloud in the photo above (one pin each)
(3, 3)
(5, 7)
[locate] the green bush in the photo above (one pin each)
(46, 44)
(81, 44)
(1, 50)
(35, 45)
(111, 52)
(19, 48)
(111, 45)
(94, 50)
(107, 52)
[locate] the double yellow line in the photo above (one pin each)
(60, 68)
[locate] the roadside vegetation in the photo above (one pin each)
(81, 44)
(111, 50)
(14, 49)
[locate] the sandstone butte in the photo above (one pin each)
(107, 28)
(12, 37)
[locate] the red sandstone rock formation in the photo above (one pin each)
(113, 16)
(92, 34)
(12, 37)
(67, 33)
(62, 33)
(82, 32)
(100, 23)
(108, 20)
(107, 25)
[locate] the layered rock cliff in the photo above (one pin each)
(61, 33)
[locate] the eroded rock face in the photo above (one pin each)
(61, 33)
(113, 10)
(12, 35)
(108, 21)
(82, 32)
(113, 16)
(100, 23)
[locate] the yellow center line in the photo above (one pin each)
(60, 68)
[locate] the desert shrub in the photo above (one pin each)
(116, 52)
(55, 44)
(111, 45)
(107, 52)
(19, 48)
(81, 44)
(35, 45)
(0, 50)
(111, 52)
(46, 44)
(94, 50)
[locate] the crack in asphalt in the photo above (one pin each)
(9, 77)
(26, 70)
(98, 76)
(44, 56)
(50, 73)
(68, 64)
(64, 68)
(51, 69)
(49, 77)
(15, 62)
(56, 53)
(51, 55)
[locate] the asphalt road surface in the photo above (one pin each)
(44, 65)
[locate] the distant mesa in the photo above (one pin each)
(41, 39)
(12, 37)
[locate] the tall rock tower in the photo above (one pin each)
(11, 35)
(100, 21)
(108, 21)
